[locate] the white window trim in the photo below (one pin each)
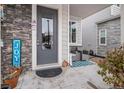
(76, 43)
(105, 37)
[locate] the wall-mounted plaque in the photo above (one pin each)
(16, 52)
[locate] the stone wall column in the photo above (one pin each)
(16, 24)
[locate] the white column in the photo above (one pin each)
(122, 24)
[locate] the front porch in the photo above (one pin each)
(71, 78)
(76, 28)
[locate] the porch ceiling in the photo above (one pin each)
(85, 10)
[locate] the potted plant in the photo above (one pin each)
(12, 78)
(112, 69)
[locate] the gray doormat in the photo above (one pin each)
(49, 72)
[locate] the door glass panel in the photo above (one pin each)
(103, 33)
(47, 33)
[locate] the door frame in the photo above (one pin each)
(34, 37)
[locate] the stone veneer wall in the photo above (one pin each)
(16, 24)
(113, 35)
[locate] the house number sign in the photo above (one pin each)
(16, 52)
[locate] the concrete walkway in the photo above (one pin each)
(71, 78)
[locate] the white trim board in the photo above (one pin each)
(68, 34)
(34, 36)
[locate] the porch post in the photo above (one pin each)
(122, 23)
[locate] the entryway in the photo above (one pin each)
(47, 37)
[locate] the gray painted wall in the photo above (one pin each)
(89, 28)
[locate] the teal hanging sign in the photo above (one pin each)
(16, 52)
(1, 12)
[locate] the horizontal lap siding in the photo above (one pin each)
(65, 41)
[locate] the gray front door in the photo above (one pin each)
(47, 35)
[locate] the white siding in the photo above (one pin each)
(65, 35)
(115, 10)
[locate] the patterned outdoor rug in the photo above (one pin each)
(81, 63)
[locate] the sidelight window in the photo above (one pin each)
(72, 32)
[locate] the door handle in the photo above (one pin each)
(38, 42)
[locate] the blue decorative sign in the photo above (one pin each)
(1, 12)
(16, 49)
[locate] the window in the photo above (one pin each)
(47, 33)
(72, 32)
(102, 37)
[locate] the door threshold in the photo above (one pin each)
(47, 66)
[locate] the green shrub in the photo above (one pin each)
(112, 70)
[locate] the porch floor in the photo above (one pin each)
(71, 78)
